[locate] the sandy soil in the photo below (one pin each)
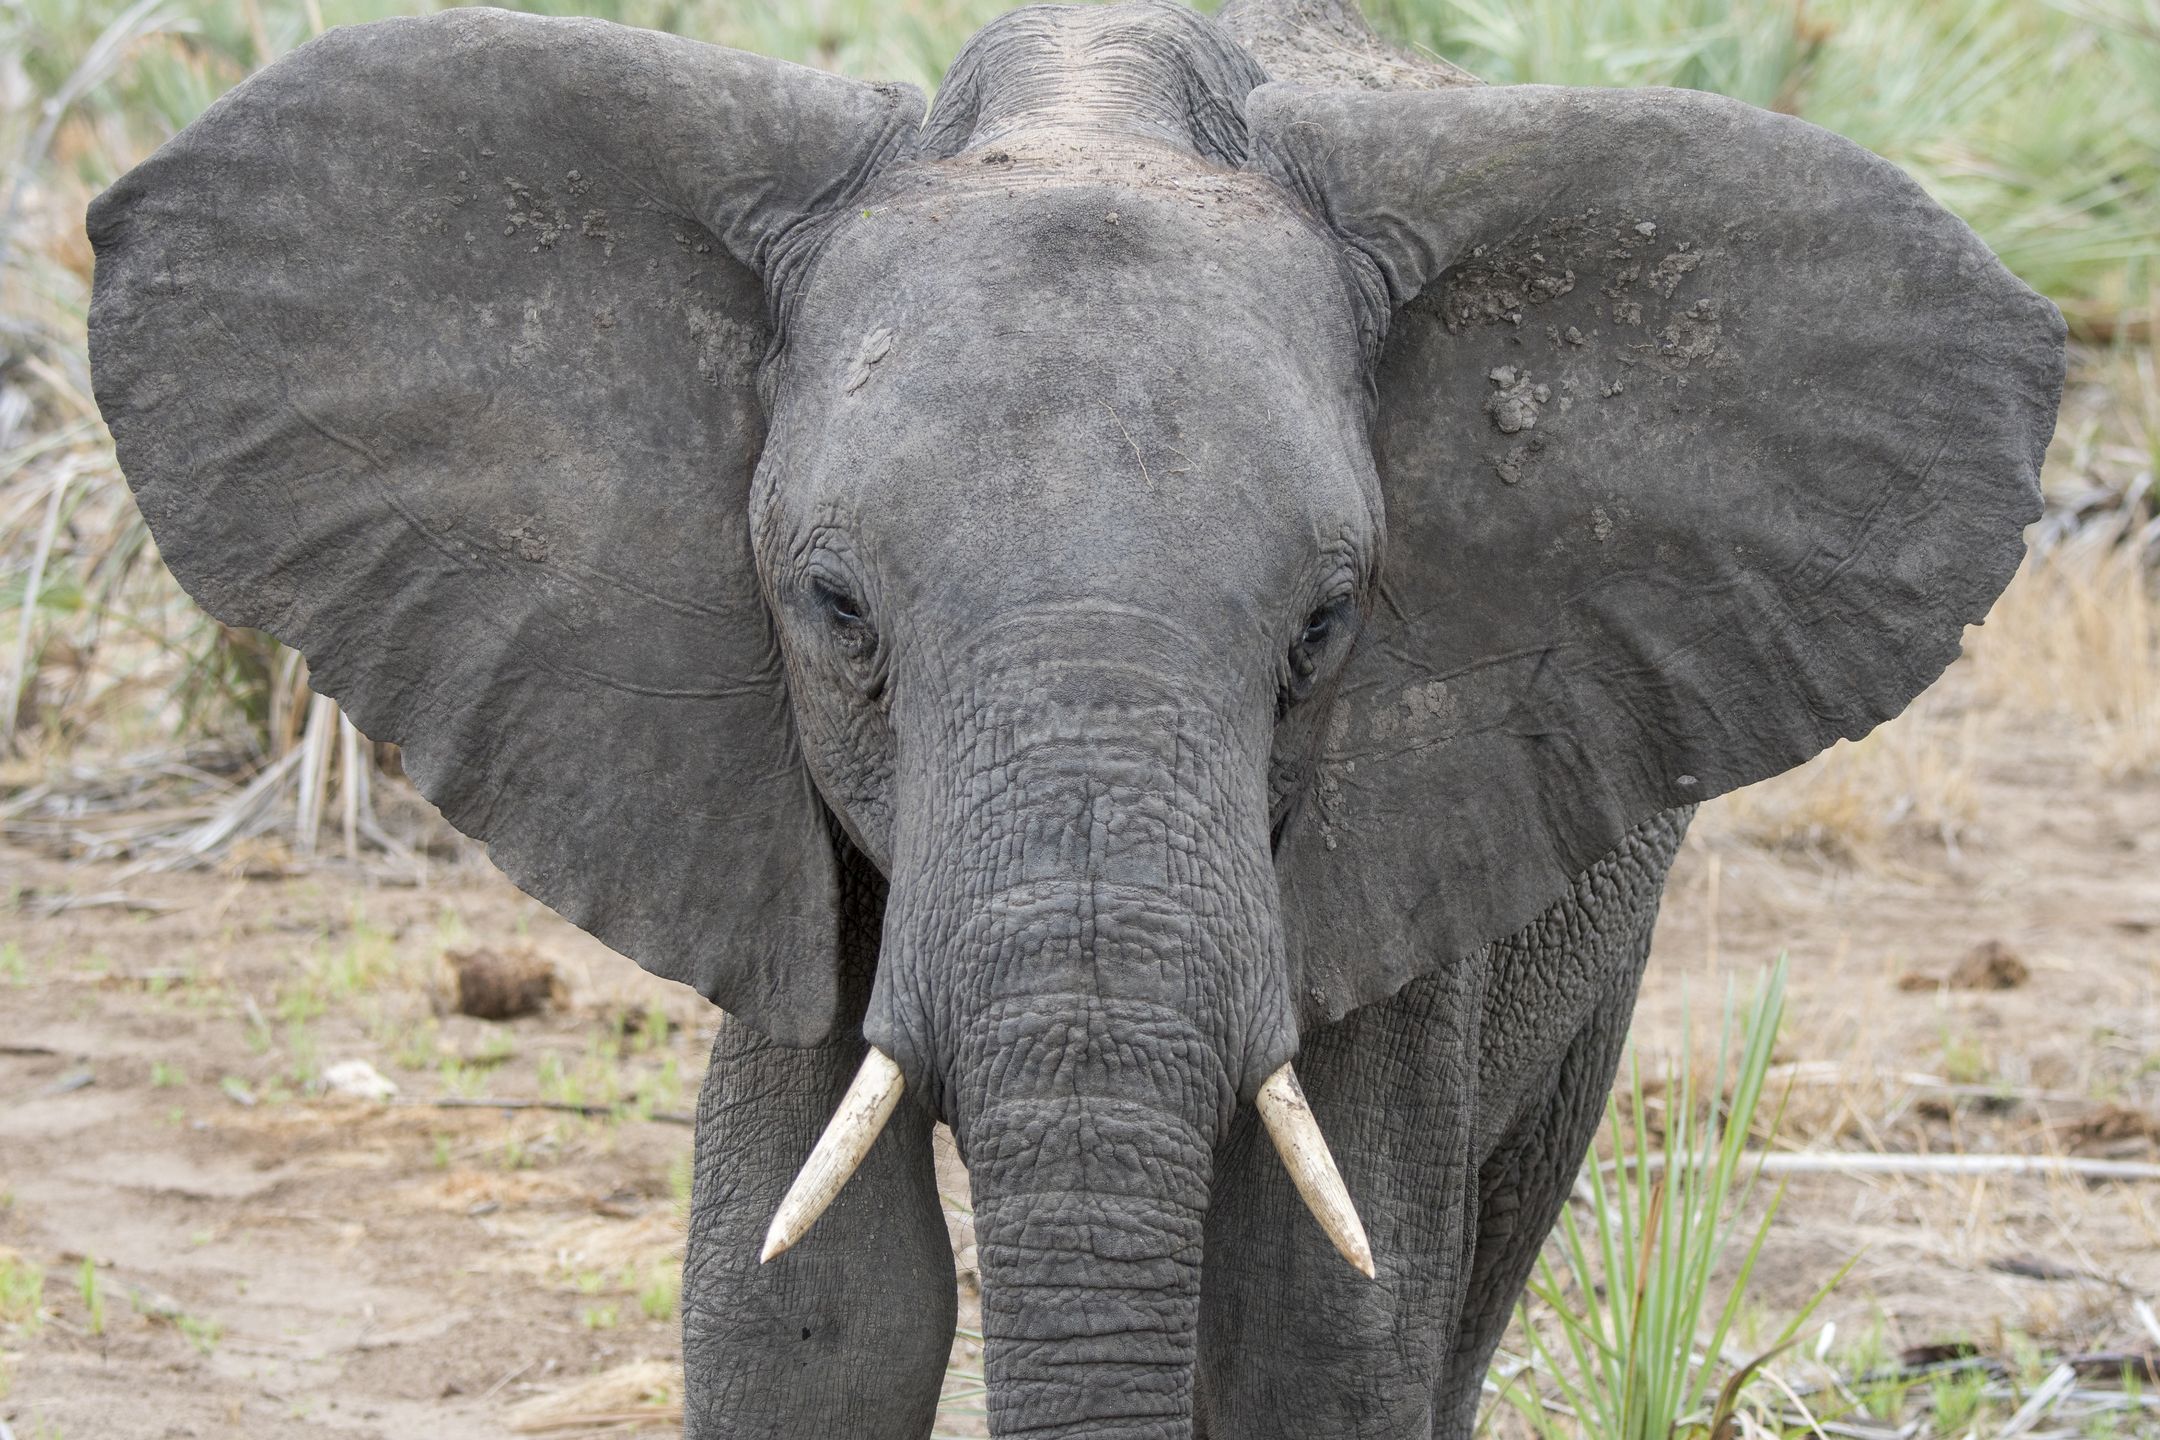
(270, 1261)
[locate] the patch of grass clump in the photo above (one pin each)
(1878, 1388)
(22, 1292)
(201, 1332)
(413, 1047)
(660, 1291)
(1622, 1332)
(1964, 1059)
(1957, 1400)
(303, 1056)
(461, 1080)
(93, 1296)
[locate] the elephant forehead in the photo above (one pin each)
(1122, 275)
(1076, 336)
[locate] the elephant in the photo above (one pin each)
(1168, 611)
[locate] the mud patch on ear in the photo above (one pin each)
(1693, 336)
(875, 347)
(1515, 400)
(1521, 462)
(1495, 286)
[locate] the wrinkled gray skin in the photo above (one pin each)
(1139, 578)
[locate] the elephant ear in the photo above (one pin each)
(1702, 434)
(432, 350)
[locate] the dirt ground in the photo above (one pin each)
(226, 1250)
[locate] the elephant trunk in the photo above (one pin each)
(1083, 968)
(1090, 1193)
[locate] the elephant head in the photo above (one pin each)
(1221, 550)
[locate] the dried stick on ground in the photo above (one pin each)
(1818, 1162)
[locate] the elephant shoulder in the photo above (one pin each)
(1577, 964)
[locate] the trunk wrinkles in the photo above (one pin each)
(1082, 970)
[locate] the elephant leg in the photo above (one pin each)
(1294, 1343)
(1522, 1186)
(846, 1334)
(1458, 1111)
(1559, 998)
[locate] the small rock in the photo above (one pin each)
(155, 1305)
(358, 1079)
(622, 1204)
(2116, 1131)
(1990, 965)
(1647, 227)
(2040, 1267)
(502, 984)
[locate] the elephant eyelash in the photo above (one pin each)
(1317, 627)
(1320, 627)
(843, 608)
(847, 621)
(1302, 661)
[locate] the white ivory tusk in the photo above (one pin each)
(1290, 1124)
(848, 1136)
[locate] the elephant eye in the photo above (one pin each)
(844, 608)
(1305, 655)
(848, 624)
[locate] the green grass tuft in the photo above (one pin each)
(1628, 1316)
(22, 1293)
(93, 1296)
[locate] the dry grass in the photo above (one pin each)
(2076, 641)
(622, 1401)
(1909, 781)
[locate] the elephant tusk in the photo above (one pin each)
(848, 1136)
(1290, 1124)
